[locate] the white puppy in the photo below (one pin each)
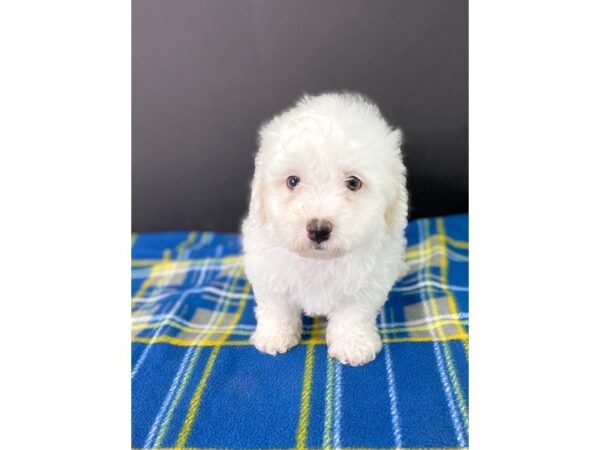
(325, 230)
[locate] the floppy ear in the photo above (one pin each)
(396, 213)
(257, 197)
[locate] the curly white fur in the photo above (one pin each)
(323, 140)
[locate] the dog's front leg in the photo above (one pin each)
(279, 325)
(352, 335)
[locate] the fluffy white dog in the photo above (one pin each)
(325, 230)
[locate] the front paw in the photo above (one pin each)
(354, 346)
(275, 340)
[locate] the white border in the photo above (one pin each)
(65, 187)
(534, 185)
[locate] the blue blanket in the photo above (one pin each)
(198, 383)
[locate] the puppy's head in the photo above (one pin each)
(328, 177)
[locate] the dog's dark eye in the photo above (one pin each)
(293, 181)
(353, 183)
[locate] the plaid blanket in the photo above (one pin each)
(198, 383)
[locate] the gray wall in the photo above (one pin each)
(207, 73)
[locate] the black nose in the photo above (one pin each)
(319, 230)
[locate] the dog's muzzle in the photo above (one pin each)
(319, 230)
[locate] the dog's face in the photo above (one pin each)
(322, 196)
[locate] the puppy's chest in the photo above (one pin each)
(316, 298)
(319, 287)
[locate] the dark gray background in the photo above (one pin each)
(207, 73)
